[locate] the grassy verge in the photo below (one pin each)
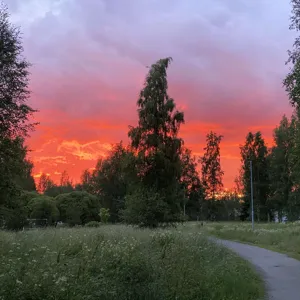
(117, 262)
(284, 238)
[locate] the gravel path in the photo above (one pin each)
(280, 272)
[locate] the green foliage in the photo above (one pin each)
(14, 123)
(93, 224)
(47, 186)
(211, 166)
(158, 148)
(53, 190)
(191, 185)
(115, 179)
(287, 196)
(24, 179)
(66, 185)
(292, 80)
(282, 166)
(155, 180)
(227, 208)
(119, 263)
(43, 207)
(12, 157)
(256, 151)
(292, 85)
(104, 215)
(45, 183)
(78, 208)
(26, 197)
(146, 208)
(14, 168)
(86, 182)
(15, 214)
(111, 179)
(14, 81)
(13, 217)
(293, 209)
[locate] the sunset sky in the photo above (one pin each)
(89, 62)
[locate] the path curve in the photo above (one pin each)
(280, 272)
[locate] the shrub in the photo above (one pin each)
(26, 196)
(14, 219)
(14, 215)
(145, 208)
(43, 207)
(92, 224)
(78, 208)
(104, 215)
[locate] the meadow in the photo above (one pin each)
(118, 262)
(279, 237)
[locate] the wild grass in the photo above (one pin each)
(118, 262)
(279, 237)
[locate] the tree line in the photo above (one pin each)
(155, 179)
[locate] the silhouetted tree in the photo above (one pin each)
(211, 166)
(14, 119)
(256, 151)
(158, 148)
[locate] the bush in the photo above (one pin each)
(104, 215)
(78, 208)
(14, 219)
(26, 196)
(14, 215)
(43, 207)
(92, 224)
(144, 208)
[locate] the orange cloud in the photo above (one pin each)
(51, 160)
(89, 151)
(74, 157)
(37, 176)
(56, 155)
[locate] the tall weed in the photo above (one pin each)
(118, 262)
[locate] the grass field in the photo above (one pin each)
(118, 262)
(283, 238)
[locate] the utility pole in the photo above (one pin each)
(252, 206)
